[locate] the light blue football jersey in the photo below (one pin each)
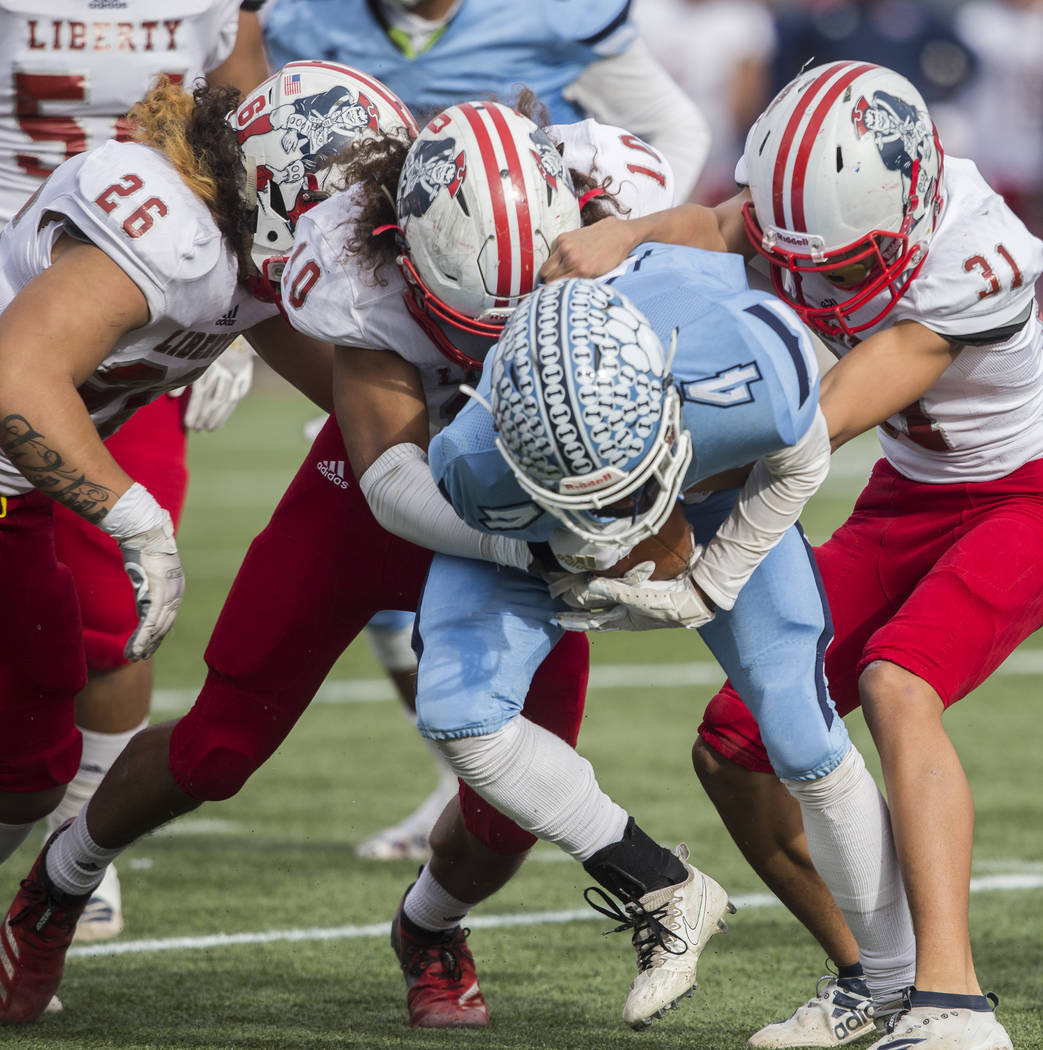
(745, 368)
(487, 49)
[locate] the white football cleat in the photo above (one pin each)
(939, 1021)
(840, 1013)
(408, 839)
(102, 918)
(671, 927)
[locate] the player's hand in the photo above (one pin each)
(590, 251)
(213, 396)
(145, 535)
(154, 568)
(575, 554)
(635, 602)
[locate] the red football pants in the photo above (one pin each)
(943, 580)
(150, 447)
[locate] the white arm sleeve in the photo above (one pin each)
(634, 91)
(772, 499)
(404, 498)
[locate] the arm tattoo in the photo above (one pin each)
(45, 468)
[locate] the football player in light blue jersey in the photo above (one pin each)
(580, 57)
(584, 427)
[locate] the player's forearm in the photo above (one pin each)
(404, 498)
(50, 439)
(771, 501)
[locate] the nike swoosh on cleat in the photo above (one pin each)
(471, 993)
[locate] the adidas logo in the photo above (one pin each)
(228, 319)
(334, 470)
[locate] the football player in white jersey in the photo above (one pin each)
(211, 752)
(70, 76)
(921, 280)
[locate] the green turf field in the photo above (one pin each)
(251, 923)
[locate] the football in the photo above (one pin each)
(670, 548)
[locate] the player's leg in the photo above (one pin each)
(772, 644)
(476, 666)
(475, 850)
(115, 702)
(990, 584)
(267, 657)
(41, 669)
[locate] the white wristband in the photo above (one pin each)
(134, 512)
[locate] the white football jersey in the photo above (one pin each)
(984, 417)
(329, 295)
(70, 68)
(129, 201)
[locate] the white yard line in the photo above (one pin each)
(1017, 882)
(612, 676)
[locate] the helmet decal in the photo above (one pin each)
(432, 166)
(904, 138)
(291, 128)
(550, 162)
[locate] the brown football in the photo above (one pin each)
(670, 548)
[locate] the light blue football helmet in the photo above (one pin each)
(586, 412)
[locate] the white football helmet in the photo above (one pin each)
(482, 195)
(586, 412)
(290, 129)
(845, 171)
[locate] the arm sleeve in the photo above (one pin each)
(635, 92)
(404, 498)
(775, 493)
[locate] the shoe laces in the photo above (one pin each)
(52, 915)
(649, 932)
(448, 953)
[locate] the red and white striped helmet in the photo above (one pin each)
(291, 128)
(482, 195)
(845, 171)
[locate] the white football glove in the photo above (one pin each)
(213, 396)
(575, 554)
(635, 602)
(145, 535)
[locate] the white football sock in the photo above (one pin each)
(100, 750)
(431, 907)
(12, 836)
(541, 783)
(75, 862)
(848, 829)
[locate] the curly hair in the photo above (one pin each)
(373, 167)
(192, 130)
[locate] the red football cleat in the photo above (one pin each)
(33, 940)
(439, 970)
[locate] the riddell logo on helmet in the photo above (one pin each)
(794, 240)
(582, 484)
